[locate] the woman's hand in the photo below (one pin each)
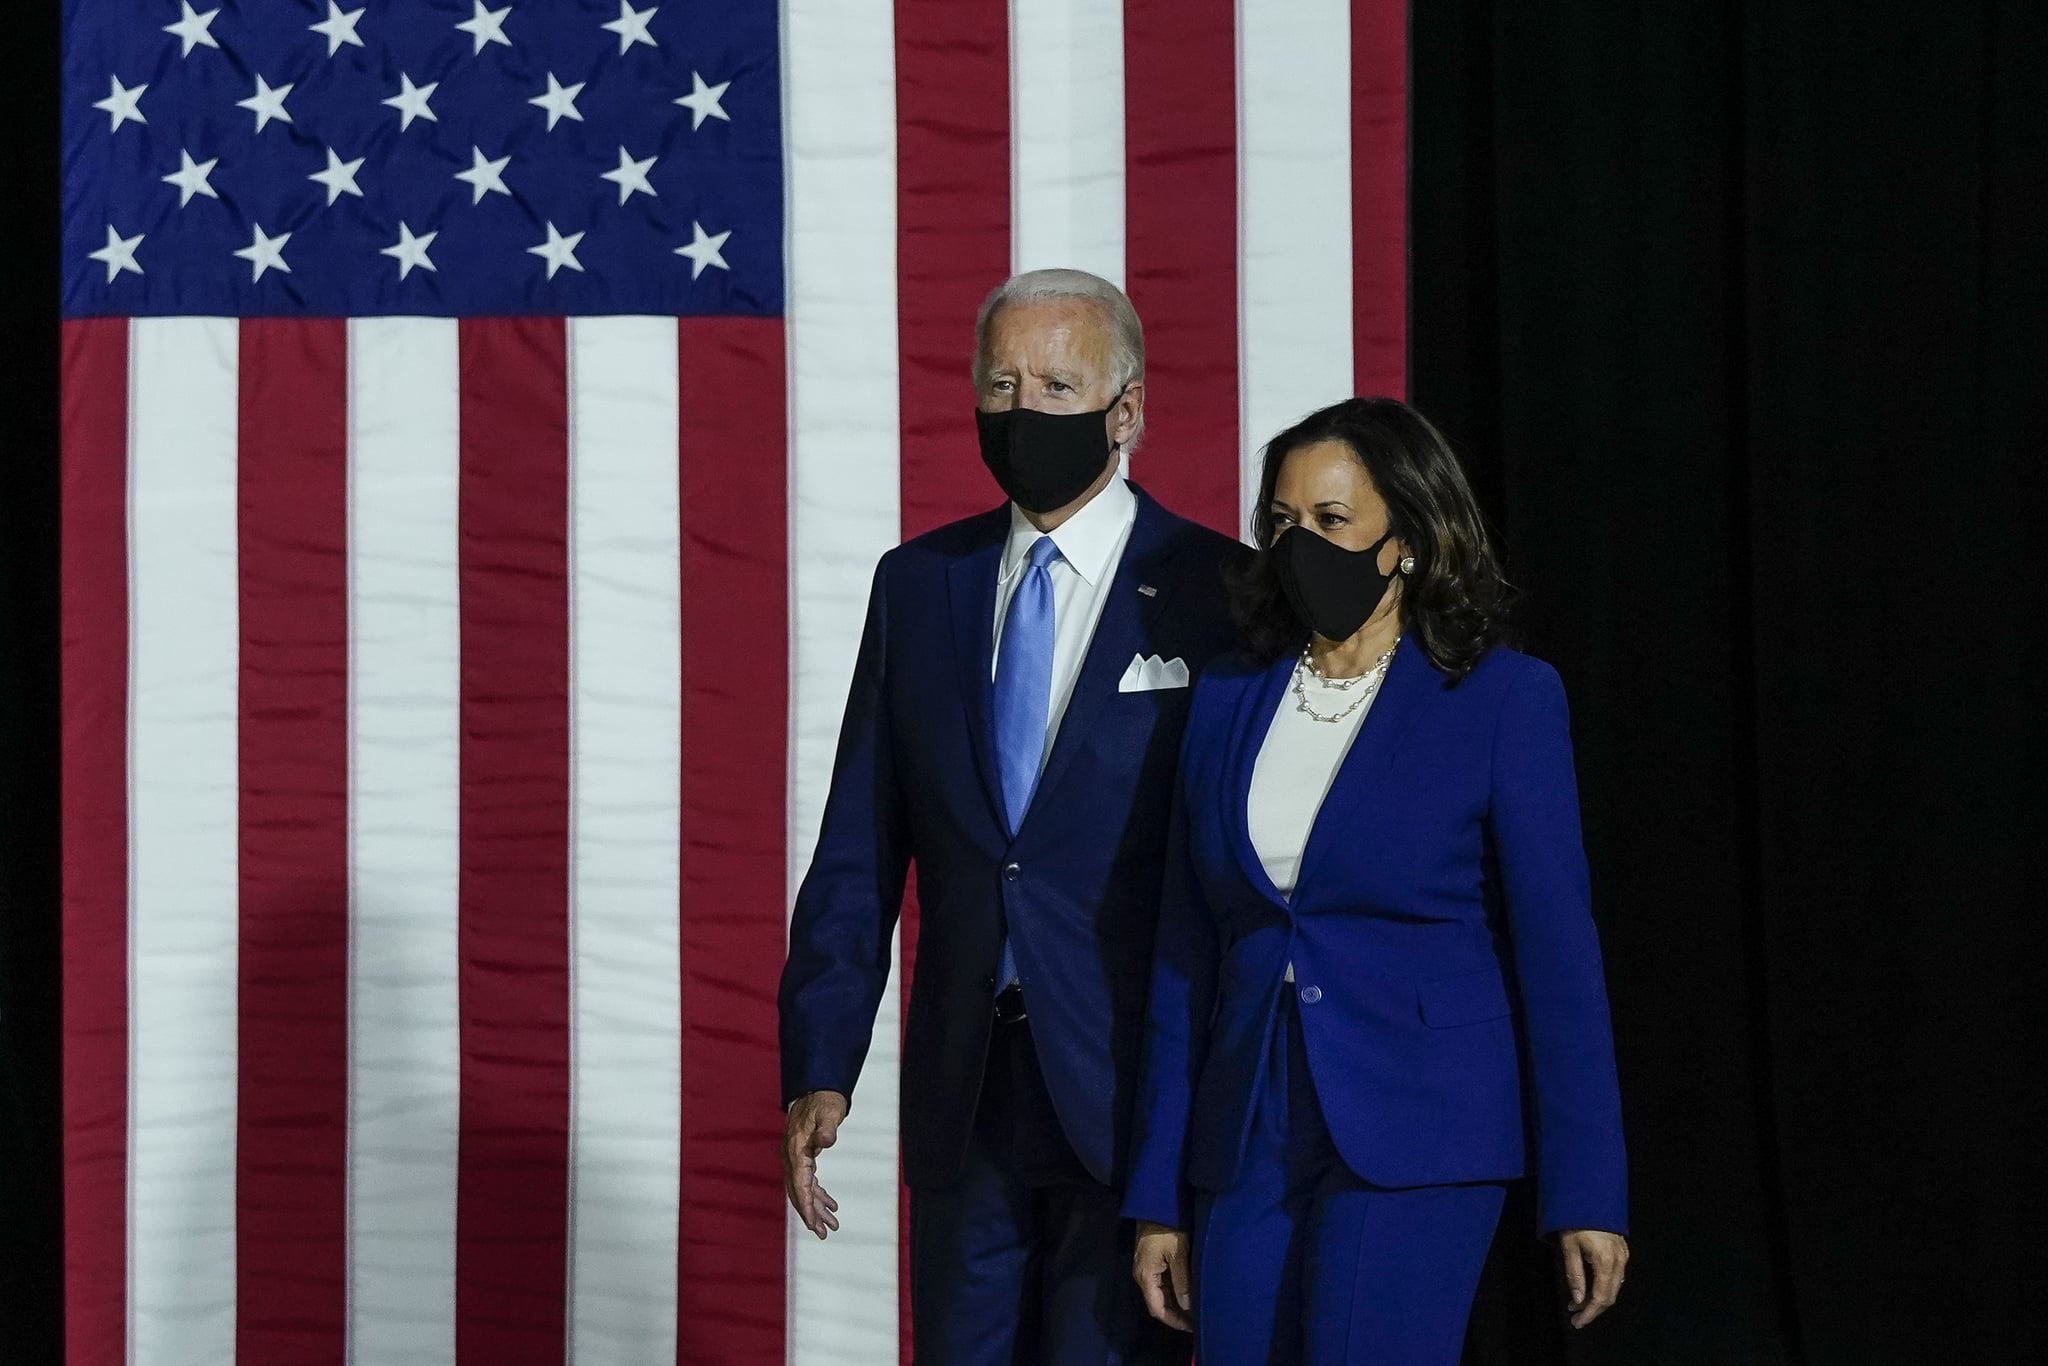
(1159, 1265)
(1601, 1255)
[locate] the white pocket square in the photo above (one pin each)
(1149, 673)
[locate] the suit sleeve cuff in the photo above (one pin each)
(1603, 1221)
(1166, 1209)
(795, 1092)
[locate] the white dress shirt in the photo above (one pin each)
(1091, 543)
(1297, 763)
(1294, 770)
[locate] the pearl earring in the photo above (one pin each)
(1407, 564)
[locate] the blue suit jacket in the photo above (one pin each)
(1078, 887)
(1443, 946)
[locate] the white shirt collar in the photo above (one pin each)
(1088, 540)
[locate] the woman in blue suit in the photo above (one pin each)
(1377, 992)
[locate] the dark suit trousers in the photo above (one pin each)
(1302, 1263)
(1022, 1260)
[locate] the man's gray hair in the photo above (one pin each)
(1127, 337)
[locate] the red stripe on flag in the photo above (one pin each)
(1180, 215)
(291, 1132)
(95, 824)
(731, 1276)
(512, 1178)
(952, 247)
(1379, 196)
(952, 240)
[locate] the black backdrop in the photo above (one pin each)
(30, 1227)
(1740, 312)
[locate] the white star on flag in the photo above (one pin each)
(410, 251)
(631, 25)
(703, 101)
(191, 178)
(338, 28)
(339, 177)
(411, 102)
(630, 176)
(118, 253)
(486, 26)
(265, 253)
(559, 101)
(267, 104)
(123, 104)
(194, 29)
(484, 175)
(558, 251)
(704, 250)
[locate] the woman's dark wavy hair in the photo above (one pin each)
(1455, 603)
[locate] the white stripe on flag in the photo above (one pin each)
(1067, 135)
(625, 788)
(1294, 216)
(184, 786)
(405, 772)
(839, 83)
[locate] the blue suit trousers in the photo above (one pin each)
(1302, 1263)
(1023, 1259)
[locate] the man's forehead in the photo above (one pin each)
(1048, 334)
(1054, 367)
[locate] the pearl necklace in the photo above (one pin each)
(1372, 678)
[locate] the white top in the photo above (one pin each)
(1296, 765)
(1091, 542)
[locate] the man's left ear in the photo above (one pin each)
(1129, 406)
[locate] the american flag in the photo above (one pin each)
(480, 423)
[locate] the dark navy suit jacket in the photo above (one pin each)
(1444, 951)
(1078, 887)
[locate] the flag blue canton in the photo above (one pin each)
(383, 157)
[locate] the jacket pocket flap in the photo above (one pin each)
(1466, 998)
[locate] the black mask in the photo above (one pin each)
(1333, 589)
(1044, 461)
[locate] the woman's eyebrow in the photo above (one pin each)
(1334, 503)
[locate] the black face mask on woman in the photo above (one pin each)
(1044, 461)
(1333, 589)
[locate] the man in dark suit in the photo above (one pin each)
(1013, 727)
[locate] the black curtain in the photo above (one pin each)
(31, 1238)
(1740, 312)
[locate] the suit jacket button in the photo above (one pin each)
(1311, 994)
(1011, 872)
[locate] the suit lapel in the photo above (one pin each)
(1411, 686)
(1124, 629)
(1248, 735)
(971, 585)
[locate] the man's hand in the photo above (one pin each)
(1159, 1264)
(813, 1127)
(1602, 1255)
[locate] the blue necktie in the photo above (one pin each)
(1024, 696)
